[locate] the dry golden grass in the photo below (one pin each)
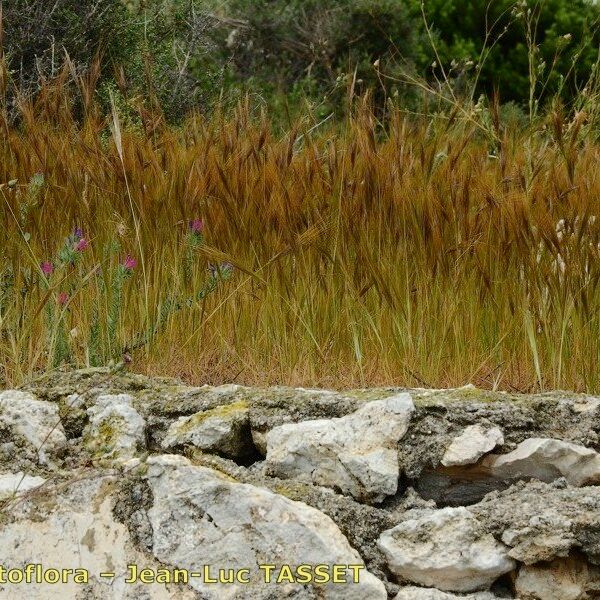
(363, 255)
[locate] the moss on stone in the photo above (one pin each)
(221, 412)
(103, 442)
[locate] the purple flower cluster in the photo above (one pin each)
(129, 263)
(196, 226)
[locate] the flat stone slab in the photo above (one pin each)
(226, 523)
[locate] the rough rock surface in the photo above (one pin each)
(357, 454)
(129, 510)
(26, 420)
(471, 445)
(72, 526)
(115, 430)
(547, 459)
(418, 593)
(562, 579)
(541, 521)
(448, 549)
(223, 430)
(223, 522)
(17, 484)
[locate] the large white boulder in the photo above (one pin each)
(201, 517)
(35, 421)
(73, 527)
(356, 454)
(448, 549)
(547, 459)
(115, 430)
(468, 447)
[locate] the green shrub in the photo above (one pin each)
(38, 34)
(151, 44)
(318, 44)
(566, 33)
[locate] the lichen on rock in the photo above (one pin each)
(424, 494)
(115, 430)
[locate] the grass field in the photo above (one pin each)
(429, 252)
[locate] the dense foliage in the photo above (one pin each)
(184, 54)
(566, 33)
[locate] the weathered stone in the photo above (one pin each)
(356, 454)
(17, 484)
(259, 439)
(72, 527)
(225, 523)
(535, 458)
(547, 459)
(538, 522)
(115, 430)
(562, 579)
(448, 549)
(439, 413)
(222, 430)
(418, 593)
(35, 422)
(471, 445)
(360, 523)
(541, 521)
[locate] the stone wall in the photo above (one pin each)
(418, 494)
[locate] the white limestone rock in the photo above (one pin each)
(471, 445)
(448, 549)
(562, 579)
(547, 459)
(412, 592)
(202, 517)
(115, 430)
(17, 484)
(542, 521)
(357, 454)
(224, 430)
(73, 527)
(35, 421)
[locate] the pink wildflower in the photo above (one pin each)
(47, 268)
(129, 263)
(196, 226)
(82, 245)
(63, 298)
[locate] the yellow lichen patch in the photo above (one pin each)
(221, 412)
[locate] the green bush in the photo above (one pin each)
(181, 55)
(567, 37)
(316, 45)
(152, 43)
(38, 34)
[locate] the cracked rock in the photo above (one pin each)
(356, 454)
(448, 549)
(115, 430)
(225, 523)
(34, 422)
